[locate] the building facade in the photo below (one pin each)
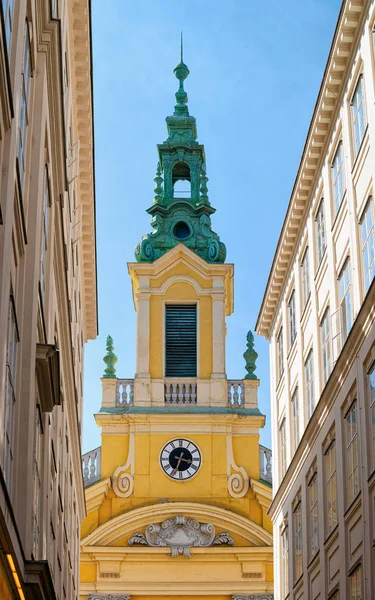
(318, 313)
(47, 290)
(177, 495)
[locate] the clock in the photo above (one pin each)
(180, 459)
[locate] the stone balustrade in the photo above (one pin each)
(236, 393)
(91, 462)
(180, 393)
(265, 462)
(124, 391)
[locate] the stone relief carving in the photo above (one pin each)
(108, 597)
(122, 479)
(253, 597)
(238, 482)
(180, 535)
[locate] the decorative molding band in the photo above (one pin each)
(122, 481)
(108, 597)
(238, 482)
(253, 597)
(180, 535)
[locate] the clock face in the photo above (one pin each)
(180, 459)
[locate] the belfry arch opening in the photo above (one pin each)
(181, 180)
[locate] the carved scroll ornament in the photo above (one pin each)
(122, 479)
(238, 481)
(180, 535)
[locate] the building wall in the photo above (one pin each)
(47, 285)
(341, 350)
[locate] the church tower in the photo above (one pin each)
(178, 493)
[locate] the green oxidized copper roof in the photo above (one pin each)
(185, 219)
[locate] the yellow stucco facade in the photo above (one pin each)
(225, 501)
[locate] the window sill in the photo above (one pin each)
(339, 211)
(292, 348)
(331, 536)
(359, 152)
(298, 581)
(306, 307)
(313, 560)
(353, 505)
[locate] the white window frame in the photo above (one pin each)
(292, 317)
(351, 451)
(371, 404)
(8, 6)
(331, 487)
(280, 354)
(359, 117)
(10, 392)
(282, 438)
(295, 420)
(297, 540)
(45, 229)
(326, 342)
(305, 272)
(338, 177)
(345, 293)
(284, 566)
(309, 384)
(312, 494)
(24, 105)
(320, 232)
(367, 244)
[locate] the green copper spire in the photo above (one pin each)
(250, 357)
(110, 360)
(181, 216)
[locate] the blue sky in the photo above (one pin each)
(255, 72)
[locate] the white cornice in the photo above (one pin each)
(80, 36)
(350, 21)
(96, 493)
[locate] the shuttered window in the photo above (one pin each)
(181, 340)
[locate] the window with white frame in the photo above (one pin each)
(355, 580)
(371, 393)
(284, 566)
(295, 421)
(359, 114)
(280, 354)
(367, 244)
(24, 105)
(345, 291)
(325, 333)
(338, 177)
(37, 484)
(320, 232)
(8, 20)
(297, 533)
(352, 466)
(282, 438)
(330, 485)
(305, 278)
(45, 223)
(10, 392)
(292, 318)
(312, 494)
(309, 384)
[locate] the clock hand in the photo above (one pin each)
(178, 463)
(186, 460)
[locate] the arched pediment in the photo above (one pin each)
(128, 523)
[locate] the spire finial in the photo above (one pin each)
(250, 356)
(181, 71)
(110, 360)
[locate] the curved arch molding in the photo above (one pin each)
(126, 524)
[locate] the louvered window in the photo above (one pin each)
(181, 340)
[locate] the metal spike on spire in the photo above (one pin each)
(182, 48)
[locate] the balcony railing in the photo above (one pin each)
(180, 393)
(91, 462)
(265, 461)
(236, 393)
(124, 392)
(176, 391)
